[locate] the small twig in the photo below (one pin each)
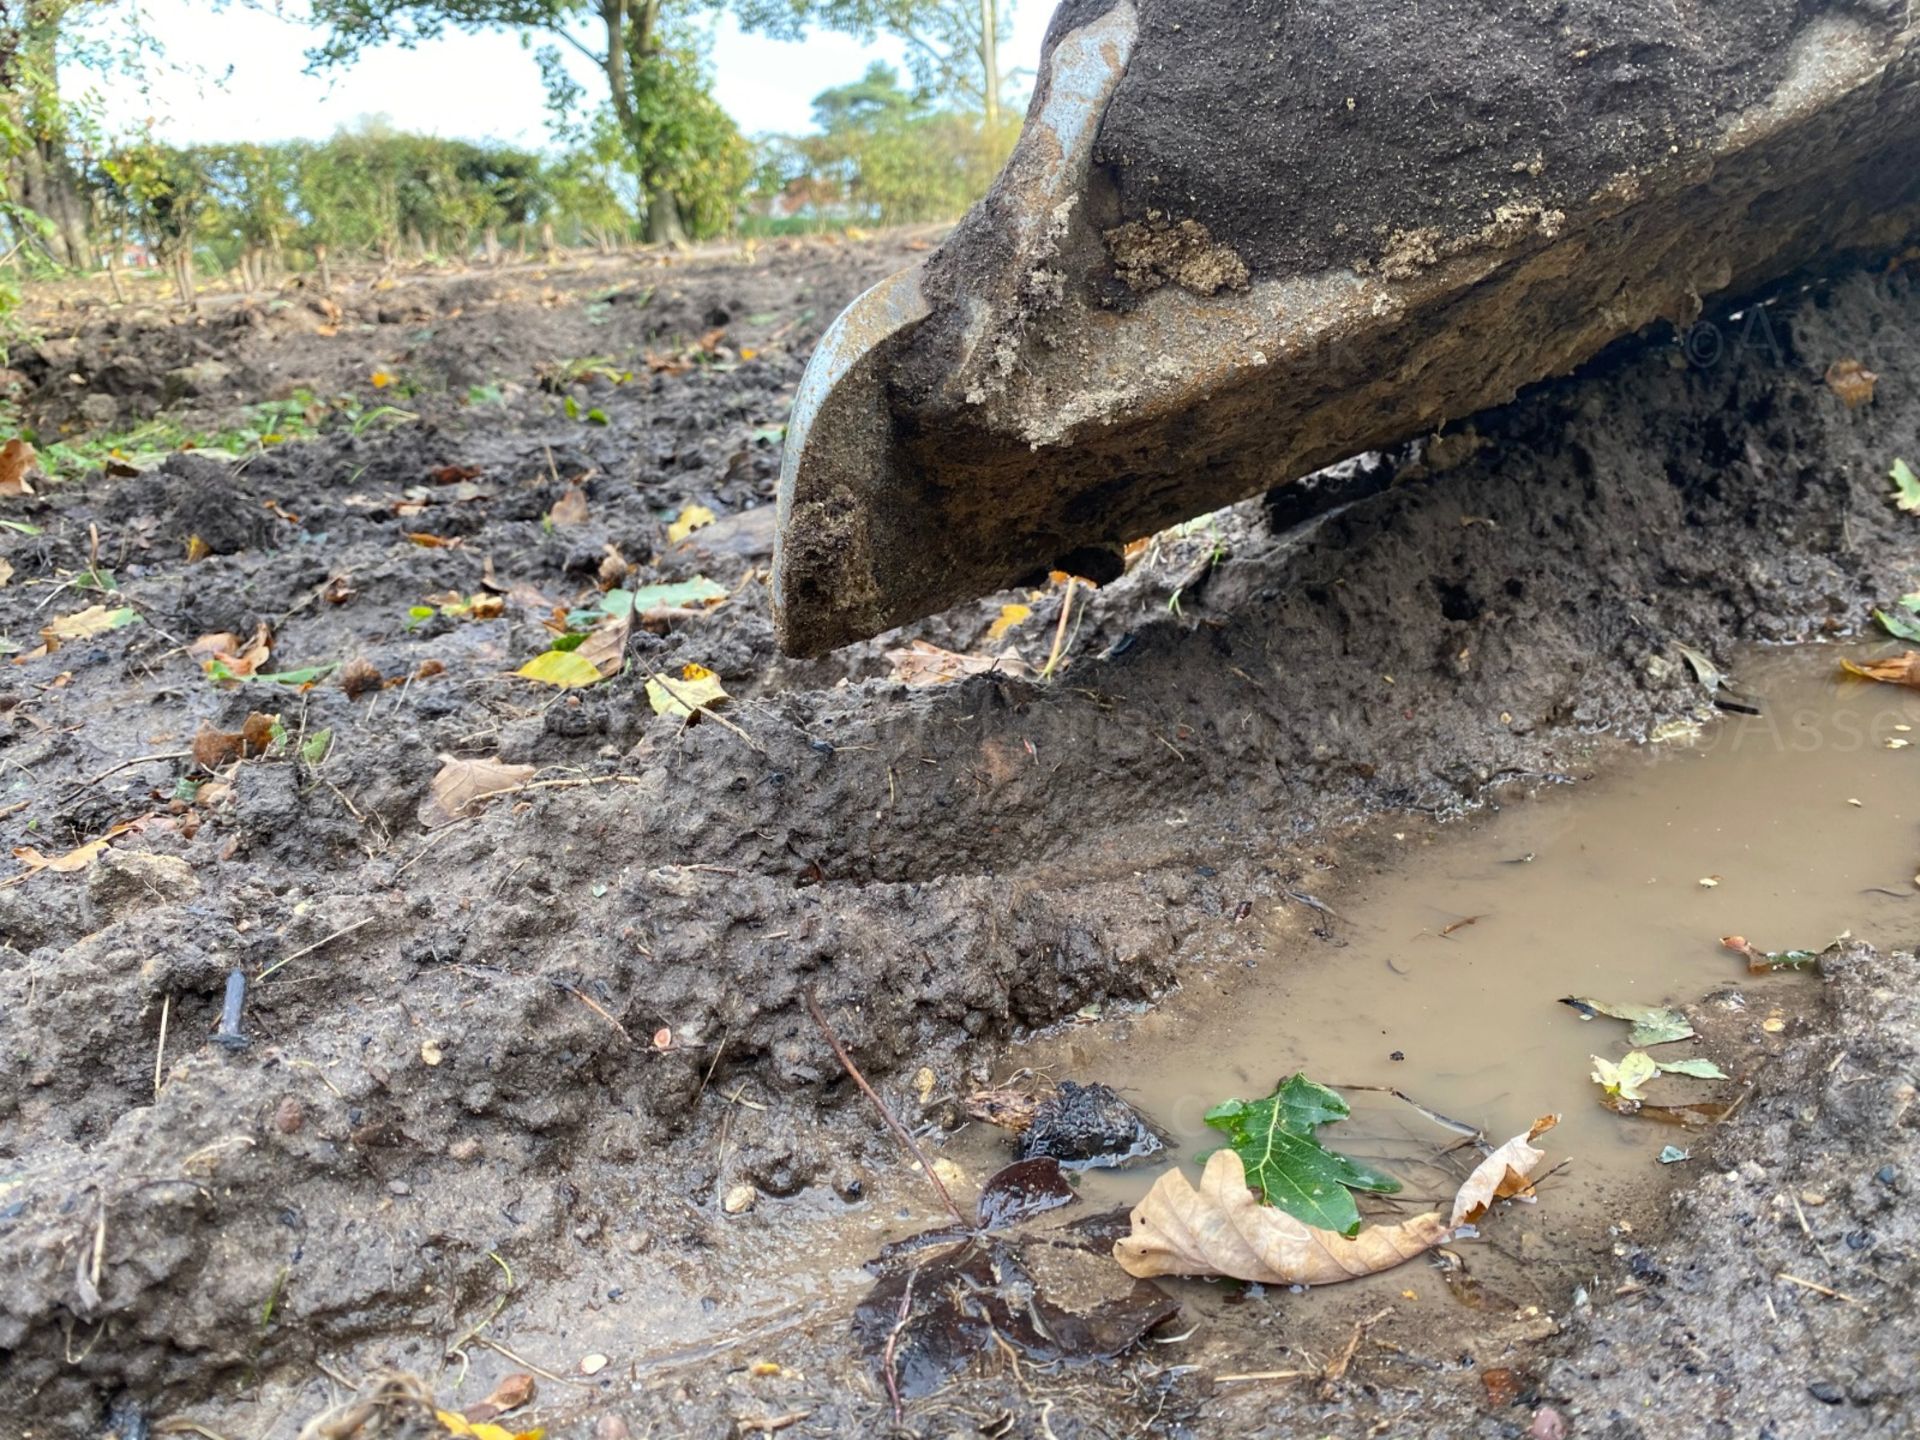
(160, 1054)
(318, 944)
(887, 1366)
(86, 785)
(1819, 1289)
(913, 1146)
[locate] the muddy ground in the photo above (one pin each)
(507, 1073)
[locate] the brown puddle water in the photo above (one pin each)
(1611, 906)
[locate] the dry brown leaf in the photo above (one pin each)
(511, 1393)
(923, 664)
(570, 508)
(1502, 1175)
(1223, 1229)
(1852, 382)
(463, 785)
(606, 645)
(214, 748)
(1895, 670)
(17, 461)
(359, 675)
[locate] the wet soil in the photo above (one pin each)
(544, 1079)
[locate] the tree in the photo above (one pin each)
(685, 150)
(40, 177)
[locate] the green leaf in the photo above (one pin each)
(1652, 1024)
(683, 595)
(561, 667)
(1292, 1170)
(1700, 1068)
(1906, 487)
(1898, 626)
(1625, 1078)
(316, 745)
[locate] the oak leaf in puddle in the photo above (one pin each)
(463, 786)
(1902, 669)
(1222, 1229)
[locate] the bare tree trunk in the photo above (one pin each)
(990, 60)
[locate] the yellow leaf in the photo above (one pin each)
(565, 668)
(697, 688)
(691, 519)
(458, 1424)
(1010, 616)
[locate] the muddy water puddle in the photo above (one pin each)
(1388, 988)
(1442, 978)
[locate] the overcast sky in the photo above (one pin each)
(252, 83)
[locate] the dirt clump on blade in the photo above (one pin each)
(539, 1072)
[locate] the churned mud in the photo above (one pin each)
(541, 1084)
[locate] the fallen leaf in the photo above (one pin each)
(1274, 1138)
(1906, 486)
(696, 689)
(457, 1424)
(358, 676)
(511, 1393)
(1623, 1081)
(681, 595)
(1852, 382)
(213, 748)
(1652, 1024)
(1765, 962)
(1698, 1068)
(1010, 616)
(921, 663)
(1903, 669)
(691, 519)
(1502, 1175)
(1900, 626)
(17, 460)
(1222, 1229)
(87, 623)
(76, 859)
(570, 508)
(565, 668)
(462, 786)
